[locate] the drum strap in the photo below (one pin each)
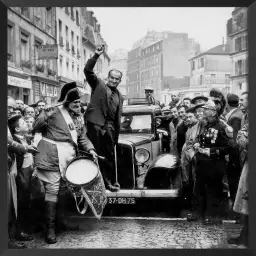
(83, 211)
(69, 121)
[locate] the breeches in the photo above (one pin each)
(51, 181)
(103, 141)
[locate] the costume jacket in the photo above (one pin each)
(56, 129)
(97, 109)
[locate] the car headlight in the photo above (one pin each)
(142, 155)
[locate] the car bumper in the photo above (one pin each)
(150, 193)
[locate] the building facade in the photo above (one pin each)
(237, 33)
(91, 38)
(30, 78)
(69, 42)
(151, 68)
(119, 61)
(133, 74)
(210, 69)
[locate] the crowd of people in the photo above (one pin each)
(209, 134)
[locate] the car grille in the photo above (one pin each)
(125, 168)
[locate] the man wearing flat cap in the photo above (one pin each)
(63, 132)
(211, 146)
(149, 95)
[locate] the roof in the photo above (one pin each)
(217, 50)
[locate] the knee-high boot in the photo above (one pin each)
(61, 222)
(50, 218)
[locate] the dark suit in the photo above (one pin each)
(210, 170)
(103, 136)
(234, 167)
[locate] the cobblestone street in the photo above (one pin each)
(142, 233)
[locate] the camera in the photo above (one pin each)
(100, 47)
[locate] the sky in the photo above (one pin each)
(121, 27)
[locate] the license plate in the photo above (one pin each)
(121, 200)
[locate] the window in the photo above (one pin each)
(193, 65)
(157, 72)
(72, 37)
(11, 45)
(152, 73)
(67, 10)
(244, 42)
(227, 78)
(238, 44)
(60, 28)
(67, 66)
(66, 33)
(49, 16)
(78, 72)
(202, 62)
(61, 66)
(77, 18)
(72, 13)
(213, 78)
(38, 43)
(84, 55)
(24, 45)
(156, 59)
(25, 11)
(201, 80)
(238, 67)
(157, 46)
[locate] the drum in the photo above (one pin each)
(81, 171)
(85, 182)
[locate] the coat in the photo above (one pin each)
(173, 137)
(97, 109)
(13, 148)
(241, 201)
(55, 128)
(188, 153)
(234, 120)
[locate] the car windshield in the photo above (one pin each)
(136, 123)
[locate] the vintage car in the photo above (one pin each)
(142, 169)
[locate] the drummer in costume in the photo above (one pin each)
(211, 145)
(103, 117)
(63, 132)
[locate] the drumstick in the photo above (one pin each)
(100, 157)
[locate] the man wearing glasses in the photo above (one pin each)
(103, 117)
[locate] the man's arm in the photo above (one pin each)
(235, 123)
(91, 77)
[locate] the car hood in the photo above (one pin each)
(135, 138)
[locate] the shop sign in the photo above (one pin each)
(49, 51)
(19, 82)
(48, 90)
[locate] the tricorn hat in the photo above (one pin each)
(69, 92)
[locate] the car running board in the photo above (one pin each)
(140, 193)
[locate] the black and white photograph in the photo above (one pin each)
(128, 127)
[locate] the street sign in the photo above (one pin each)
(18, 82)
(49, 51)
